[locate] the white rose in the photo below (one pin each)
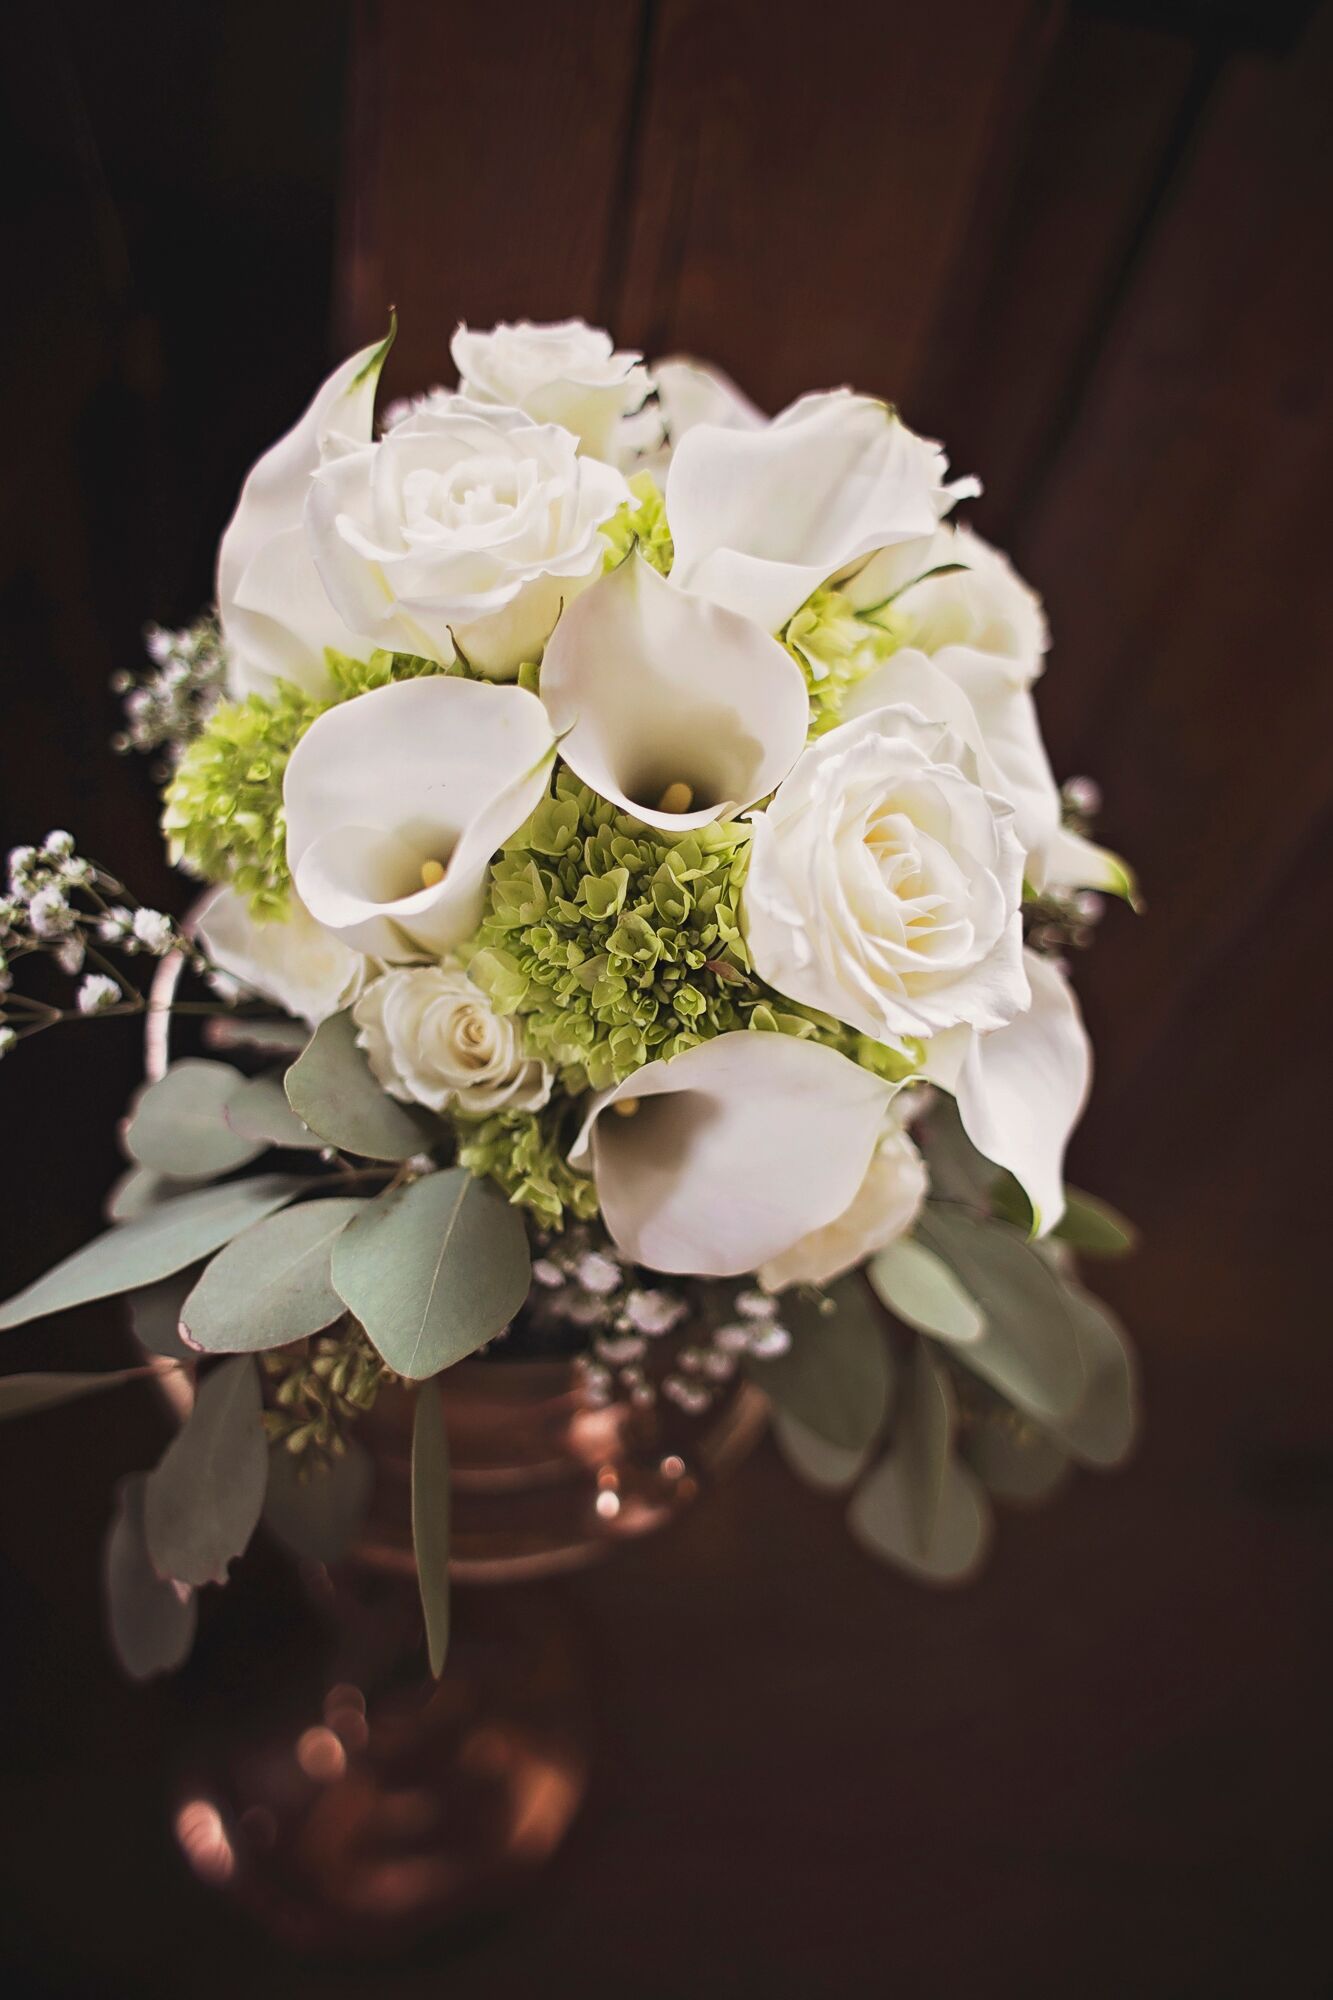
(883, 1208)
(276, 619)
(885, 884)
(432, 1038)
(956, 590)
(464, 529)
(304, 968)
(719, 1160)
(564, 374)
(760, 517)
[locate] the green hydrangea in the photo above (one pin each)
(836, 646)
(223, 813)
(523, 1152)
(223, 816)
(618, 945)
(643, 523)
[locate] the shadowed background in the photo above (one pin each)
(1088, 246)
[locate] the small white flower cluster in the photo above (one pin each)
(169, 707)
(56, 904)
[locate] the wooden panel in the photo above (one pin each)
(484, 168)
(1036, 278)
(802, 191)
(1182, 541)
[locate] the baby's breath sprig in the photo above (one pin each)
(170, 705)
(69, 910)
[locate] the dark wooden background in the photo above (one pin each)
(1089, 245)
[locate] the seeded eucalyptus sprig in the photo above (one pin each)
(317, 1389)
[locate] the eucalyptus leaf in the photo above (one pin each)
(331, 1089)
(271, 1285)
(921, 1290)
(152, 1619)
(203, 1500)
(1016, 1461)
(433, 1270)
(430, 1520)
(1093, 1227)
(882, 1518)
(259, 1112)
(155, 1315)
(958, 1172)
(141, 1189)
(164, 1239)
(923, 1443)
(24, 1395)
(829, 1468)
(1101, 1431)
(834, 1378)
(316, 1507)
(1030, 1350)
(178, 1125)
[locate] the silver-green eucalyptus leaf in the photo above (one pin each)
(141, 1189)
(430, 1519)
(1102, 1429)
(882, 1518)
(835, 1378)
(178, 1125)
(829, 1468)
(958, 1172)
(433, 1270)
(259, 1113)
(165, 1238)
(152, 1619)
(1030, 1350)
(316, 1507)
(202, 1502)
(1093, 1228)
(1014, 1460)
(921, 1290)
(331, 1089)
(271, 1285)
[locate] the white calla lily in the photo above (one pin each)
(397, 801)
(1021, 1089)
(883, 1208)
(309, 971)
(731, 1152)
(275, 614)
(672, 708)
(761, 517)
(956, 590)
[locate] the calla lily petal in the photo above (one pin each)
(760, 518)
(1021, 1089)
(396, 802)
(690, 393)
(276, 618)
(296, 962)
(651, 689)
(735, 1151)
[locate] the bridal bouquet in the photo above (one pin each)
(638, 912)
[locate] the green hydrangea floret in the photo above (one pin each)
(617, 945)
(641, 523)
(523, 1152)
(223, 817)
(836, 646)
